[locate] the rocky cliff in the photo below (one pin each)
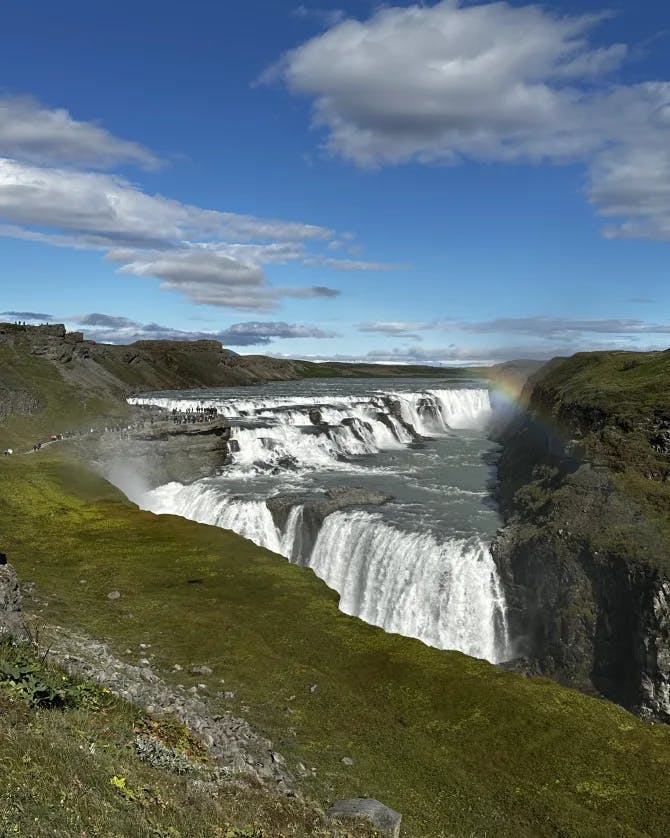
(585, 550)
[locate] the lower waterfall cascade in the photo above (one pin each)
(417, 566)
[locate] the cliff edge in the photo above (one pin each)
(585, 553)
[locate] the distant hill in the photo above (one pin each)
(52, 380)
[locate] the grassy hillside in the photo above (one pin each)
(617, 407)
(37, 401)
(456, 745)
(76, 770)
(53, 382)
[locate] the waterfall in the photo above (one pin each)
(388, 568)
(279, 434)
(446, 593)
(206, 505)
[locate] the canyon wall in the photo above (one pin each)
(584, 554)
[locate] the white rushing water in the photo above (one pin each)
(356, 426)
(435, 583)
(446, 593)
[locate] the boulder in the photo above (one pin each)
(10, 596)
(383, 819)
(315, 416)
(10, 600)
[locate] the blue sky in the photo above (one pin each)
(439, 182)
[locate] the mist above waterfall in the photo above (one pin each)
(419, 565)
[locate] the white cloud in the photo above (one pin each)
(394, 328)
(494, 82)
(212, 257)
(117, 212)
(557, 327)
(32, 132)
(116, 329)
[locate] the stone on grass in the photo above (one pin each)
(383, 819)
(10, 595)
(113, 595)
(201, 670)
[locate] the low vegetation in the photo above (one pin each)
(456, 745)
(76, 761)
(616, 405)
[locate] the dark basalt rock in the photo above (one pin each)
(315, 509)
(585, 607)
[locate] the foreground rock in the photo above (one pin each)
(10, 599)
(383, 819)
(237, 748)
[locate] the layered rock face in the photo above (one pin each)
(585, 566)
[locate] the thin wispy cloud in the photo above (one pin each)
(324, 17)
(394, 328)
(553, 327)
(107, 328)
(27, 315)
(353, 264)
(456, 81)
(464, 354)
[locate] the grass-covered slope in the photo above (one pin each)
(98, 766)
(35, 400)
(456, 745)
(616, 405)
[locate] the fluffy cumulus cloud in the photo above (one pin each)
(117, 329)
(51, 191)
(494, 82)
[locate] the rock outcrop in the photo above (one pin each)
(315, 509)
(583, 561)
(10, 598)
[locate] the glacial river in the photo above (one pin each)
(418, 565)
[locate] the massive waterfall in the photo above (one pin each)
(390, 569)
(282, 431)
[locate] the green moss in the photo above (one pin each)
(453, 743)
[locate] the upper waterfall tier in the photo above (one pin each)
(318, 431)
